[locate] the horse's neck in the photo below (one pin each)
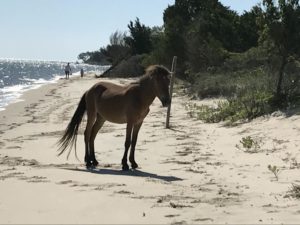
(147, 89)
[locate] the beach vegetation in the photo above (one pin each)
(249, 144)
(274, 170)
(294, 192)
(250, 59)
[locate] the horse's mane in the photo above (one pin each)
(150, 70)
(155, 69)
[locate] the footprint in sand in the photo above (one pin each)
(172, 215)
(37, 179)
(178, 205)
(179, 223)
(203, 219)
(11, 175)
(65, 182)
(13, 147)
(123, 192)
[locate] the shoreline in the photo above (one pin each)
(19, 76)
(25, 88)
(192, 173)
(12, 113)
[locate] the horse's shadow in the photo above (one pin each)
(132, 173)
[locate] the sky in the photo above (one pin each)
(62, 29)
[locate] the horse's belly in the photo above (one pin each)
(116, 119)
(114, 116)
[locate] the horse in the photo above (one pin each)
(106, 101)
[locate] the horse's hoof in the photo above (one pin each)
(89, 165)
(134, 165)
(125, 167)
(95, 163)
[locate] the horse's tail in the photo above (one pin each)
(70, 135)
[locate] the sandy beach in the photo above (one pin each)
(194, 173)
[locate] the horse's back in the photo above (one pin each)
(111, 100)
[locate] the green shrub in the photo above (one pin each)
(207, 85)
(291, 84)
(294, 191)
(246, 107)
(275, 170)
(248, 81)
(249, 60)
(206, 113)
(251, 104)
(249, 145)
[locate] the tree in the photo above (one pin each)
(84, 56)
(95, 57)
(140, 38)
(157, 55)
(248, 28)
(117, 50)
(198, 31)
(111, 54)
(281, 33)
(175, 19)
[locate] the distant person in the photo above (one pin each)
(81, 72)
(68, 71)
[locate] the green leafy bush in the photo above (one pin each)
(208, 84)
(249, 145)
(246, 107)
(294, 191)
(275, 170)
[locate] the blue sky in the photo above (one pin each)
(240, 5)
(61, 29)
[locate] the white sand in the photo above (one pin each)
(192, 173)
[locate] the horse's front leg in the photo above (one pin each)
(135, 133)
(127, 146)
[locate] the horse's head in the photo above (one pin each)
(161, 82)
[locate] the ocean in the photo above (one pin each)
(18, 76)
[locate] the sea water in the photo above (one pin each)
(18, 76)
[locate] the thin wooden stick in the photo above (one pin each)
(173, 71)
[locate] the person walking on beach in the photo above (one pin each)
(81, 72)
(68, 70)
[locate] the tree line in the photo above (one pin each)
(217, 48)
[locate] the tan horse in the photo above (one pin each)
(118, 104)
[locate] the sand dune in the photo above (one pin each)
(193, 173)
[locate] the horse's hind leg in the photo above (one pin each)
(97, 126)
(91, 117)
